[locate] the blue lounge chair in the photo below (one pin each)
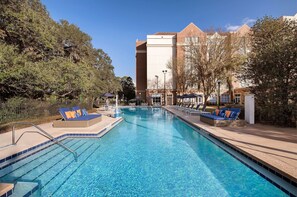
(221, 119)
(76, 117)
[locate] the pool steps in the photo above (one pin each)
(24, 189)
(27, 152)
(46, 148)
(53, 158)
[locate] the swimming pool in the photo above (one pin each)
(151, 153)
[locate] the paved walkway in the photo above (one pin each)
(272, 146)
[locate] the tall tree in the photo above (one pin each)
(181, 73)
(27, 25)
(213, 59)
(76, 44)
(40, 57)
(128, 88)
(106, 74)
(272, 69)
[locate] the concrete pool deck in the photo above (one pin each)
(31, 139)
(272, 146)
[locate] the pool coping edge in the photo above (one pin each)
(244, 155)
(18, 156)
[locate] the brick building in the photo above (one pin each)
(155, 82)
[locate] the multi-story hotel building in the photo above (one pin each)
(290, 18)
(155, 82)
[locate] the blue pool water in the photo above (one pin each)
(151, 153)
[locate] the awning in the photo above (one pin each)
(193, 95)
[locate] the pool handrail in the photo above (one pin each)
(41, 132)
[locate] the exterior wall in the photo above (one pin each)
(190, 31)
(160, 50)
(141, 69)
(241, 92)
(290, 18)
(153, 56)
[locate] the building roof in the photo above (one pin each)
(165, 33)
(191, 25)
(140, 45)
(219, 33)
(243, 29)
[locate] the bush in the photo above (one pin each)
(17, 108)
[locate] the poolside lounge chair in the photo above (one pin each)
(198, 111)
(194, 108)
(180, 106)
(222, 117)
(183, 107)
(190, 106)
(177, 105)
(76, 117)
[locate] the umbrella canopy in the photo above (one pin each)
(179, 96)
(185, 96)
(193, 95)
(108, 95)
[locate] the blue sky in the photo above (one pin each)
(115, 25)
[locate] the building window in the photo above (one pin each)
(225, 98)
(193, 39)
(199, 98)
(156, 99)
(237, 98)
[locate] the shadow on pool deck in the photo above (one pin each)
(273, 146)
(266, 131)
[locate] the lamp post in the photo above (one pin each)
(164, 71)
(219, 87)
(139, 99)
(157, 82)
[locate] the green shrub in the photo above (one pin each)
(17, 108)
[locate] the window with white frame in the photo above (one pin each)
(200, 99)
(192, 39)
(237, 98)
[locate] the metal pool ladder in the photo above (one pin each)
(41, 132)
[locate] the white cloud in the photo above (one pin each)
(232, 27)
(247, 20)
